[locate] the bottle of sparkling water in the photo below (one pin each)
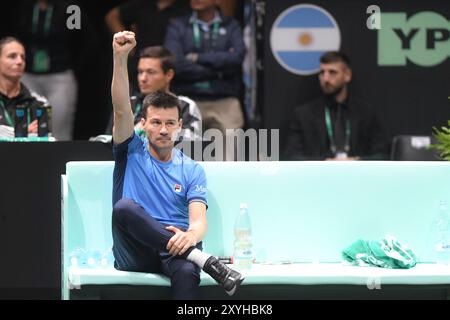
(243, 253)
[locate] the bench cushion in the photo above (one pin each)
(300, 274)
(302, 212)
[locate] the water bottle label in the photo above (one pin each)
(243, 253)
(243, 257)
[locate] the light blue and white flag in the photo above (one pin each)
(300, 35)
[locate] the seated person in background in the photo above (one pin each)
(55, 56)
(13, 93)
(336, 126)
(159, 194)
(156, 70)
(209, 50)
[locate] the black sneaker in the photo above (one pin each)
(228, 278)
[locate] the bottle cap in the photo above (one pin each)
(243, 205)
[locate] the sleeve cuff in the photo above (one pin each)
(199, 200)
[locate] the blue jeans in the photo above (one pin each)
(140, 246)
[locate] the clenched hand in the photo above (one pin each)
(123, 42)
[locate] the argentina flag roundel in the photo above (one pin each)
(300, 35)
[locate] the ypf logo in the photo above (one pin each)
(423, 39)
(300, 35)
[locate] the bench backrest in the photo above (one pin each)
(300, 211)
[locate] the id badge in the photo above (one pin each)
(41, 61)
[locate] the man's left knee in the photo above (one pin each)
(186, 271)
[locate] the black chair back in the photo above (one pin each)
(413, 148)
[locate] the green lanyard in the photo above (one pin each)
(330, 132)
(48, 19)
(137, 110)
(196, 31)
(7, 116)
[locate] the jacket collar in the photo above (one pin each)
(205, 25)
(24, 94)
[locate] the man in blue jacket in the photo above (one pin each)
(159, 194)
(209, 51)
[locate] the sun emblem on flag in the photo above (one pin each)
(305, 39)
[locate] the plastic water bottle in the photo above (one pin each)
(94, 259)
(107, 259)
(243, 254)
(442, 246)
(78, 258)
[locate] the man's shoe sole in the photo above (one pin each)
(238, 283)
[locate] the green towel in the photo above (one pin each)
(387, 253)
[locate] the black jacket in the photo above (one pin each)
(25, 99)
(308, 138)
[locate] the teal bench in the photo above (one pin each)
(303, 215)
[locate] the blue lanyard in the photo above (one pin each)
(196, 31)
(330, 132)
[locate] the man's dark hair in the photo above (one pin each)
(4, 41)
(335, 56)
(164, 55)
(160, 99)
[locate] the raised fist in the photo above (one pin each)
(123, 42)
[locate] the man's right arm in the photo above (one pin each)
(123, 43)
